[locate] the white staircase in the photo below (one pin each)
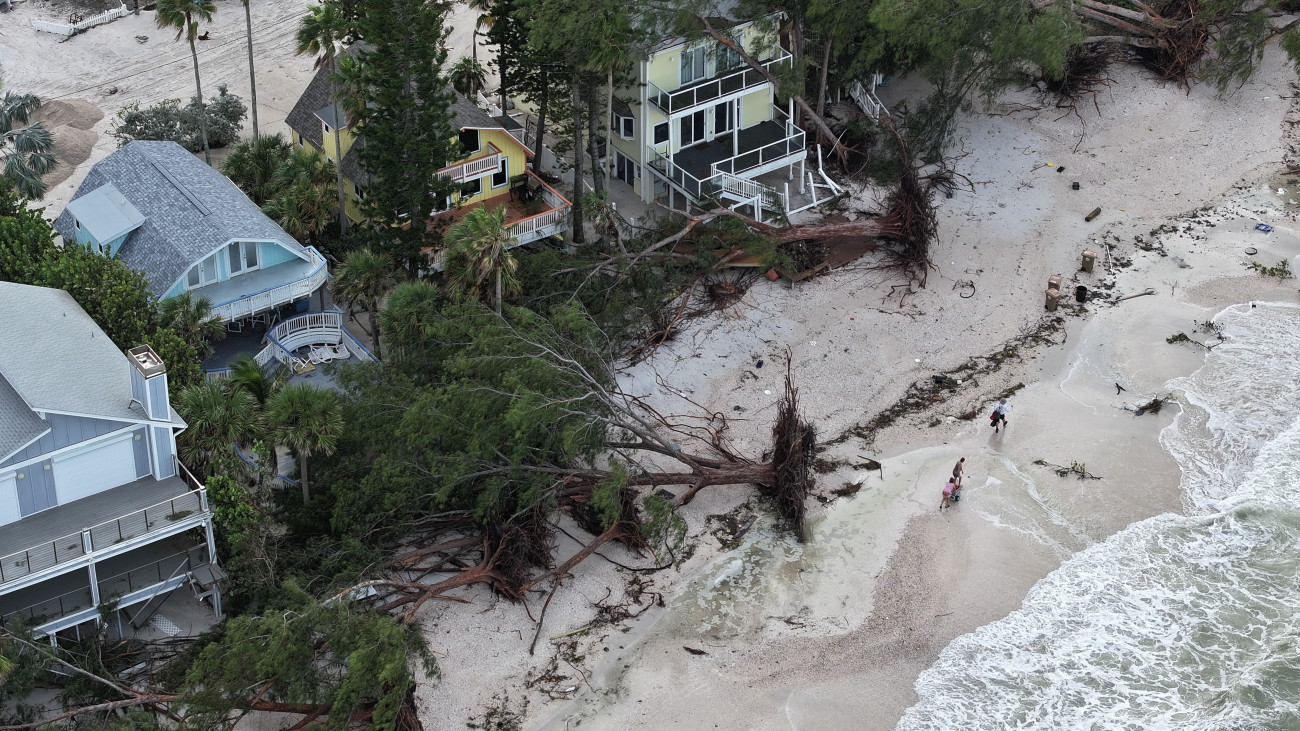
(866, 97)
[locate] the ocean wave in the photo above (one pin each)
(1180, 621)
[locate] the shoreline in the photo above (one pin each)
(931, 578)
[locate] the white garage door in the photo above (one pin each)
(87, 473)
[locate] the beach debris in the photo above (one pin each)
(1281, 270)
(1264, 227)
(1075, 468)
(1251, 251)
(1281, 191)
(694, 651)
(142, 39)
(1095, 212)
(1153, 406)
(967, 287)
(1148, 291)
(1074, 185)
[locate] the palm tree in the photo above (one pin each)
(308, 421)
(191, 318)
(321, 34)
(25, 149)
(181, 15)
(351, 88)
(478, 252)
(252, 77)
(362, 280)
(253, 164)
(247, 376)
(304, 202)
(612, 56)
(218, 417)
(406, 314)
(467, 76)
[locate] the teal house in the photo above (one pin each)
(188, 228)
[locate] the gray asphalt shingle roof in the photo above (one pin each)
(315, 105)
(57, 359)
(19, 425)
(190, 210)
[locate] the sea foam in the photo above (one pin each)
(1180, 621)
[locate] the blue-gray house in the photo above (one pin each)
(99, 520)
(187, 228)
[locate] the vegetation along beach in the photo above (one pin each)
(553, 364)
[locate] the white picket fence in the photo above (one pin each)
(68, 29)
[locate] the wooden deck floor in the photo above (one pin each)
(39, 530)
(515, 211)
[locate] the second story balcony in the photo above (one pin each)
(475, 167)
(703, 170)
(257, 291)
(99, 526)
(723, 84)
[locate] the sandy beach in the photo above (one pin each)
(756, 630)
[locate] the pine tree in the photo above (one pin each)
(406, 129)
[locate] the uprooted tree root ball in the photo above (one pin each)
(795, 448)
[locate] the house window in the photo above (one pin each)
(301, 143)
(469, 141)
(358, 192)
(471, 189)
(241, 256)
(203, 273)
(692, 65)
(692, 128)
(661, 133)
(76, 224)
(502, 175)
(624, 169)
(625, 126)
(727, 58)
(724, 118)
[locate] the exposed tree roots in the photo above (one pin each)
(795, 448)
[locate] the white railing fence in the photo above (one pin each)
(68, 29)
(471, 169)
(252, 304)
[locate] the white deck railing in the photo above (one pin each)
(102, 536)
(743, 79)
(547, 223)
(866, 97)
(475, 168)
(272, 297)
(69, 29)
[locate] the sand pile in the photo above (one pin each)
(71, 122)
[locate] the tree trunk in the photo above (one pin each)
(302, 472)
(338, 156)
(372, 312)
(198, 86)
(541, 125)
(252, 77)
(498, 289)
(609, 119)
(579, 237)
(593, 140)
(826, 67)
(823, 129)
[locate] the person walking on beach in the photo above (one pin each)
(957, 469)
(999, 417)
(947, 493)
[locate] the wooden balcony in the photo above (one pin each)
(475, 167)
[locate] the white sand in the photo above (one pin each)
(833, 633)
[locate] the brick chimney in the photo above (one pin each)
(149, 382)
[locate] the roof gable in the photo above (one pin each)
(54, 356)
(189, 209)
(105, 213)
